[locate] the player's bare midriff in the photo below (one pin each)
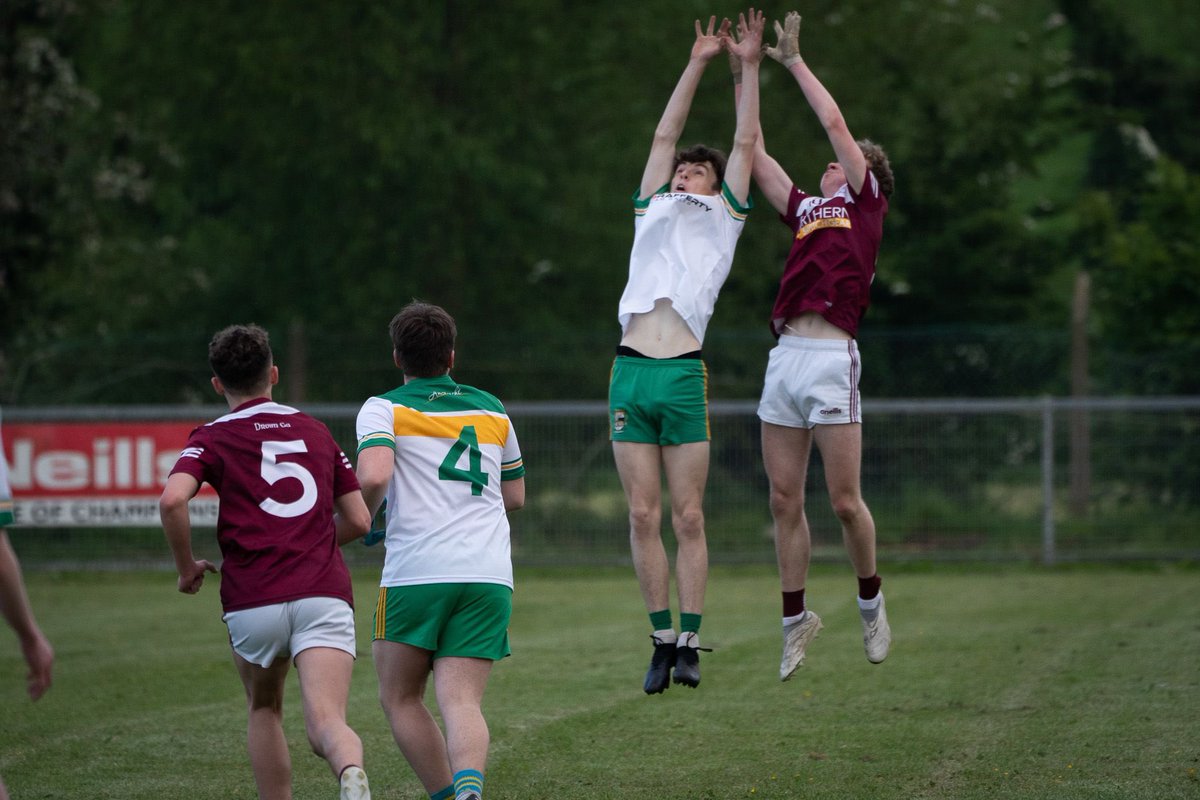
(660, 332)
(812, 325)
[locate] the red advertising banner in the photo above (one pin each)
(108, 474)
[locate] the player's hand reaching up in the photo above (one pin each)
(708, 43)
(787, 47)
(746, 43)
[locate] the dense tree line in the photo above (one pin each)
(168, 168)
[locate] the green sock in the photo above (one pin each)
(468, 780)
(444, 794)
(661, 620)
(689, 622)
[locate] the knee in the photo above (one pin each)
(688, 524)
(645, 520)
(786, 502)
(848, 507)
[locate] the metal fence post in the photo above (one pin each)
(1048, 555)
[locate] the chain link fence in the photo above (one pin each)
(1041, 480)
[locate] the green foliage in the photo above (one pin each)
(177, 167)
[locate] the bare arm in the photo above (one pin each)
(747, 50)
(772, 181)
(177, 525)
(14, 605)
(513, 493)
(374, 472)
(351, 519)
(670, 126)
(787, 52)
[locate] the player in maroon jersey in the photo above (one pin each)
(288, 498)
(810, 393)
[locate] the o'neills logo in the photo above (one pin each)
(831, 412)
(68, 458)
(618, 420)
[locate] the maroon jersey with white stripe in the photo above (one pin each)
(831, 265)
(277, 472)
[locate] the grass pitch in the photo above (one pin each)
(1002, 683)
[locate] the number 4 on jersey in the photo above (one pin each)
(449, 470)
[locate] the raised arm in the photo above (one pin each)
(670, 126)
(746, 49)
(773, 182)
(787, 52)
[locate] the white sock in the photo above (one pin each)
(872, 604)
(793, 620)
(667, 636)
(689, 639)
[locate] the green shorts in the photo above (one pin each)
(463, 620)
(658, 400)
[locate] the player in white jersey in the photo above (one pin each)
(689, 211)
(446, 459)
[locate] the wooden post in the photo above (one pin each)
(1080, 491)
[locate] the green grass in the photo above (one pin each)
(1003, 683)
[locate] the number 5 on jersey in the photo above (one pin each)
(468, 444)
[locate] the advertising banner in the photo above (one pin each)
(96, 474)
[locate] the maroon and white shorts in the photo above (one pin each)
(811, 382)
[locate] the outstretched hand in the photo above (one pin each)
(708, 43)
(787, 46)
(746, 43)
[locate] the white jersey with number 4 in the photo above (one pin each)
(453, 446)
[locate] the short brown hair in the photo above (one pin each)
(877, 162)
(698, 154)
(423, 338)
(240, 357)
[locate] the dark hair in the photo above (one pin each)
(423, 337)
(240, 356)
(698, 154)
(877, 162)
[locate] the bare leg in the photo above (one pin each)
(325, 685)
(785, 457)
(841, 453)
(459, 684)
(638, 465)
(265, 740)
(403, 670)
(686, 466)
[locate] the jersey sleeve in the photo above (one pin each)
(376, 424)
(198, 458)
(344, 478)
(871, 198)
(795, 198)
(512, 466)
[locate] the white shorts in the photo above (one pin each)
(261, 635)
(811, 382)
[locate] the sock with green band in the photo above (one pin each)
(444, 794)
(466, 781)
(661, 620)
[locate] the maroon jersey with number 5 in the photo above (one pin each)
(277, 472)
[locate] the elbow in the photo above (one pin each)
(170, 504)
(746, 141)
(359, 523)
(833, 122)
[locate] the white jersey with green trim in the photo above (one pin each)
(682, 250)
(453, 446)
